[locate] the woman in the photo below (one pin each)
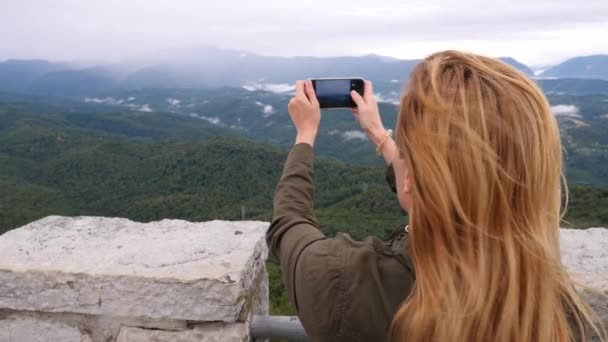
(477, 164)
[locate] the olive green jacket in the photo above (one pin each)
(343, 290)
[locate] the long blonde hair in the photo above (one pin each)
(484, 154)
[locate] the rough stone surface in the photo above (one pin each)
(32, 330)
(210, 332)
(99, 328)
(585, 254)
(169, 269)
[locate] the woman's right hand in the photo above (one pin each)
(368, 114)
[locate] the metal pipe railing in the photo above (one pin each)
(276, 327)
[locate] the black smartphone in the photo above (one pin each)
(335, 92)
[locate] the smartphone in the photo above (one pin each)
(335, 92)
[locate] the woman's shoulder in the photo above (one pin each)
(390, 255)
(395, 246)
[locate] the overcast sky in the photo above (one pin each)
(535, 32)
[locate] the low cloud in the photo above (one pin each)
(174, 102)
(354, 135)
(392, 98)
(214, 120)
(267, 110)
(145, 108)
(105, 100)
(211, 119)
(566, 110)
(278, 88)
(349, 135)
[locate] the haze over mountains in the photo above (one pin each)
(213, 67)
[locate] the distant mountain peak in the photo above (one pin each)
(518, 65)
(592, 66)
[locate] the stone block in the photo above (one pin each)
(170, 269)
(16, 329)
(585, 255)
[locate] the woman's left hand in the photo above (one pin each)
(305, 113)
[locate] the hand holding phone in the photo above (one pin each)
(305, 112)
(367, 113)
(336, 92)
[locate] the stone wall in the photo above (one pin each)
(108, 279)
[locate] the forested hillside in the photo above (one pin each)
(113, 167)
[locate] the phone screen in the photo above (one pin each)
(335, 93)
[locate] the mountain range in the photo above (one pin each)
(212, 67)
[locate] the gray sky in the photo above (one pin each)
(535, 32)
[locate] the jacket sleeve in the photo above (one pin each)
(311, 268)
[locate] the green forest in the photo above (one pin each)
(59, 159)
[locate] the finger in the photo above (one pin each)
(355, 110)
(368, 93)
(359, 101)
(291, 103)
(300, 90)
(310, 93)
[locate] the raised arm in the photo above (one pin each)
(311, 273)
(367, 114)
(294, 225)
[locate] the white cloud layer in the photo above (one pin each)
(536, 32)
(277, 88)
(566, 110)
(105, 100)
(349, 135)
(267, 110)
(145, 108)
(392, 98)
(174, 102)
(214, 120)
(353, 135)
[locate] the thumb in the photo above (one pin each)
(357, 98)
(310, 93)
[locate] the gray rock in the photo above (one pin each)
(170, 269)
(16, 329)
(585, 255)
